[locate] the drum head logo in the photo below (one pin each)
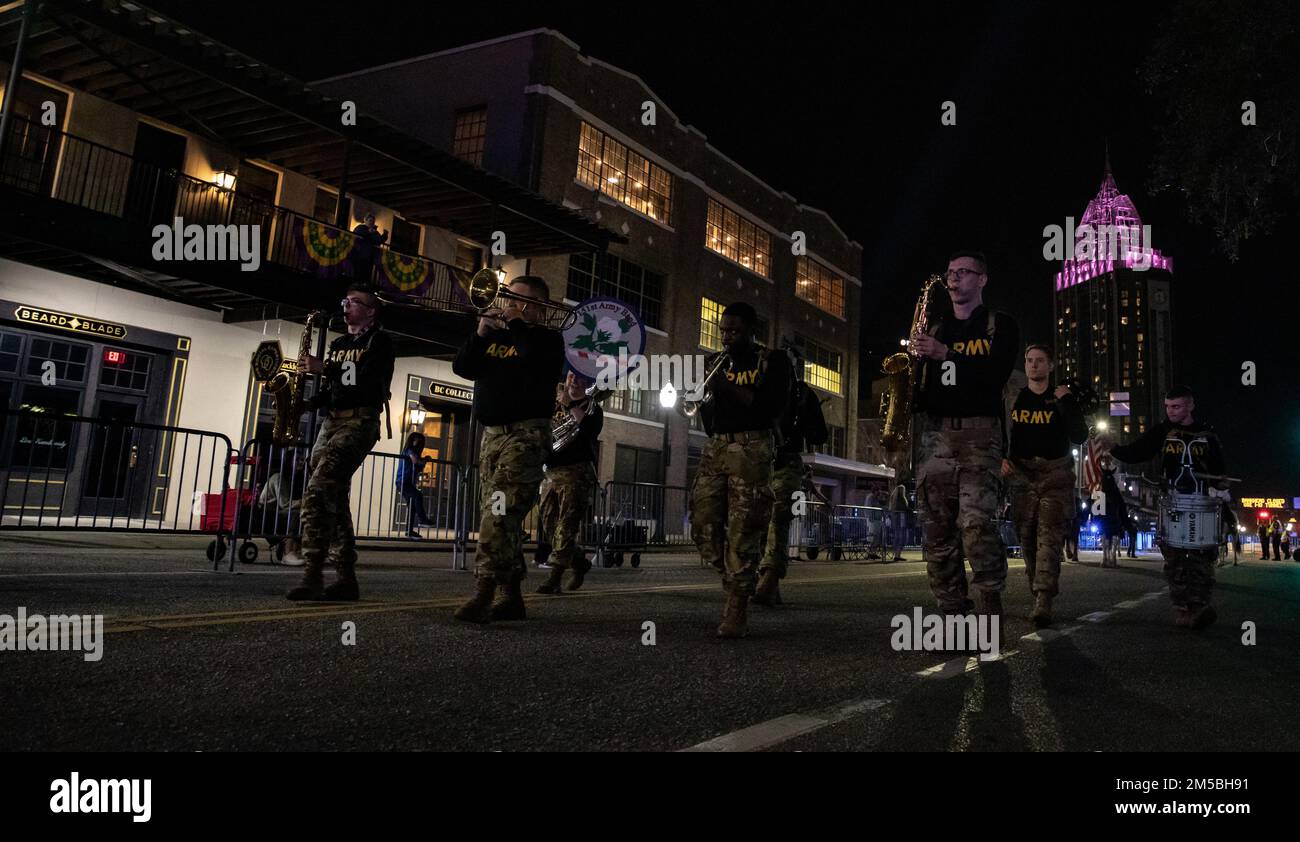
(604, 330)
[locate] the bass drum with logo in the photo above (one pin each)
(1191, 521)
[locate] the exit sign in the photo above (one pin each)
(113, 357)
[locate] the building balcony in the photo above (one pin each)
(80, 207)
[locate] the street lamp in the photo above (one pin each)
(668, 396)
(1103, 425)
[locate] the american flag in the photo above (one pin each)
(1092, 465)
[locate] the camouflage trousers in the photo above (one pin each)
(341, 446)
(957, 484)
(1042, 493)
(565, 495)
(787, 478)
(1190, 574)
(510, 470)
(731, 503)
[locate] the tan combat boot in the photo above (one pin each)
(479, 607)
(581, 564)
(734, 613)
(509, 604)
(345, 588)
(312, 586)
(768, 591)
(1042, 614)
(552, 583)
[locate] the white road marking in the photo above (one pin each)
(783, 728)
(1045, 635)
(1132, 603)
(1096, 616)
(961, 666)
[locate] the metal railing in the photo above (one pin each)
(61, 471)
(45, 161)
(271, 480)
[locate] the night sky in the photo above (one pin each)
(841, 109)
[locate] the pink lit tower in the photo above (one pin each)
(1111, 305)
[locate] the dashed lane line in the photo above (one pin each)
(776, 731)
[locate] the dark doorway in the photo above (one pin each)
(113, 452)
(157, 162)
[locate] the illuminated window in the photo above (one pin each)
(822, 367)
(470, 135)
(710, 316)
(606, 165)
(819, 286)
(732, 235)
(634, 285)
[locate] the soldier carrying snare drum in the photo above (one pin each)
(1192, 463)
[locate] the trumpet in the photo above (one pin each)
(692, 408)
(564, 431)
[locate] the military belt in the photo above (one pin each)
(355, 412)
(746, 436)
(518, 426)
(933, 422)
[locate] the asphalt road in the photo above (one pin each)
(197, 660)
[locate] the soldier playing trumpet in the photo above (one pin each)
(731, 499)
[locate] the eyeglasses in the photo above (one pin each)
(355, 302)
(960, 274)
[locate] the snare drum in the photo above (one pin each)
(1191, 521)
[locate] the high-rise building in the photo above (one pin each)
(1112, 310)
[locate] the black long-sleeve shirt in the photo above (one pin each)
(1043, 426)
(583, 446)
(368, 385)
(770, 387)
(1169, 440)
(982, 366)
(514, 372)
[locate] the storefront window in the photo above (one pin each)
(44, 441)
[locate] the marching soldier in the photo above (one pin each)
(1040, 472)
(356, 375)
(802, 424)
(1190, 573)
(514, 363)
(731, 500)
(965, 362)
(570, 478)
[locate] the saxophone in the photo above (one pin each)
(288, 388)
(896, 402)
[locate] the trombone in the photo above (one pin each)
(486, 293)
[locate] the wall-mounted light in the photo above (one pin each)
(417, 417)
(225, 179)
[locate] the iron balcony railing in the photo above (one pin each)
(49, 163)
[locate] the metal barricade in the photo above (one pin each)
(70, 472)
(272, 478)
